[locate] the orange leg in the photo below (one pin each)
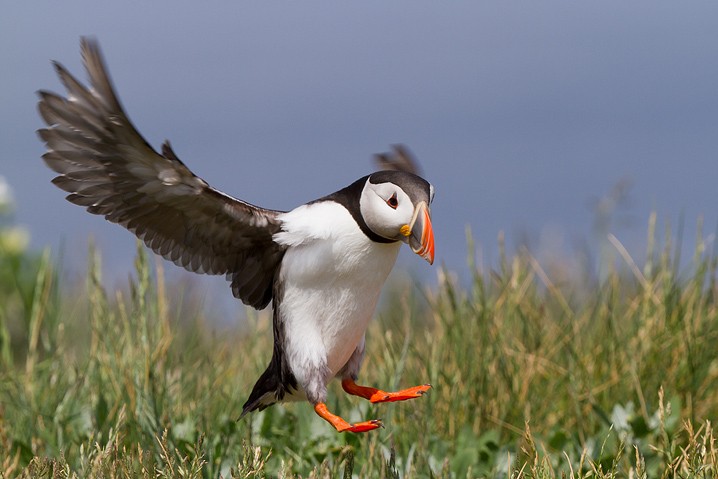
(341, 425)
(377, 395)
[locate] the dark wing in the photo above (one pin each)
(400, 159)
(108, 168)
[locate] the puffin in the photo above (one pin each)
(322, 265)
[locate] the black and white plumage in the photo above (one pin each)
(323, 264)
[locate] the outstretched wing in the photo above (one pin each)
(107, 167)
(400, 159)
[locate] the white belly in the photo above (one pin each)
(330, 290)
(326, 311)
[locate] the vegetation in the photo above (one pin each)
(536, 374)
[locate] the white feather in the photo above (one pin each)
(332, 275)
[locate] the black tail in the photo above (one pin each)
(272, 385)
(266, 391)
(277, 380)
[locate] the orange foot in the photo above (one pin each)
(341, 425)
(377, 395)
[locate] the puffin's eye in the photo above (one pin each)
(393, 202)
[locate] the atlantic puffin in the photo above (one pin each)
(322, 264)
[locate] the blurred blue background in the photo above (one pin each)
(555, 122)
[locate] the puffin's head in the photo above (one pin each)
(395, 206)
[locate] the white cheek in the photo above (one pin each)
(381, 218)
(372, 210)
(404, 212)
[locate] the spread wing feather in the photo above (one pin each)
(399, 159)
(108, 168)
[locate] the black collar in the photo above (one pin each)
(349, 198)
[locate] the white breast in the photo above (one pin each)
(332, 275)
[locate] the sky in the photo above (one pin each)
(525, 116)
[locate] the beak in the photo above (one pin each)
(421, 236)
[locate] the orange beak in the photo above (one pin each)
(421, 238)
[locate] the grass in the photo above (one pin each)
(539, 371)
